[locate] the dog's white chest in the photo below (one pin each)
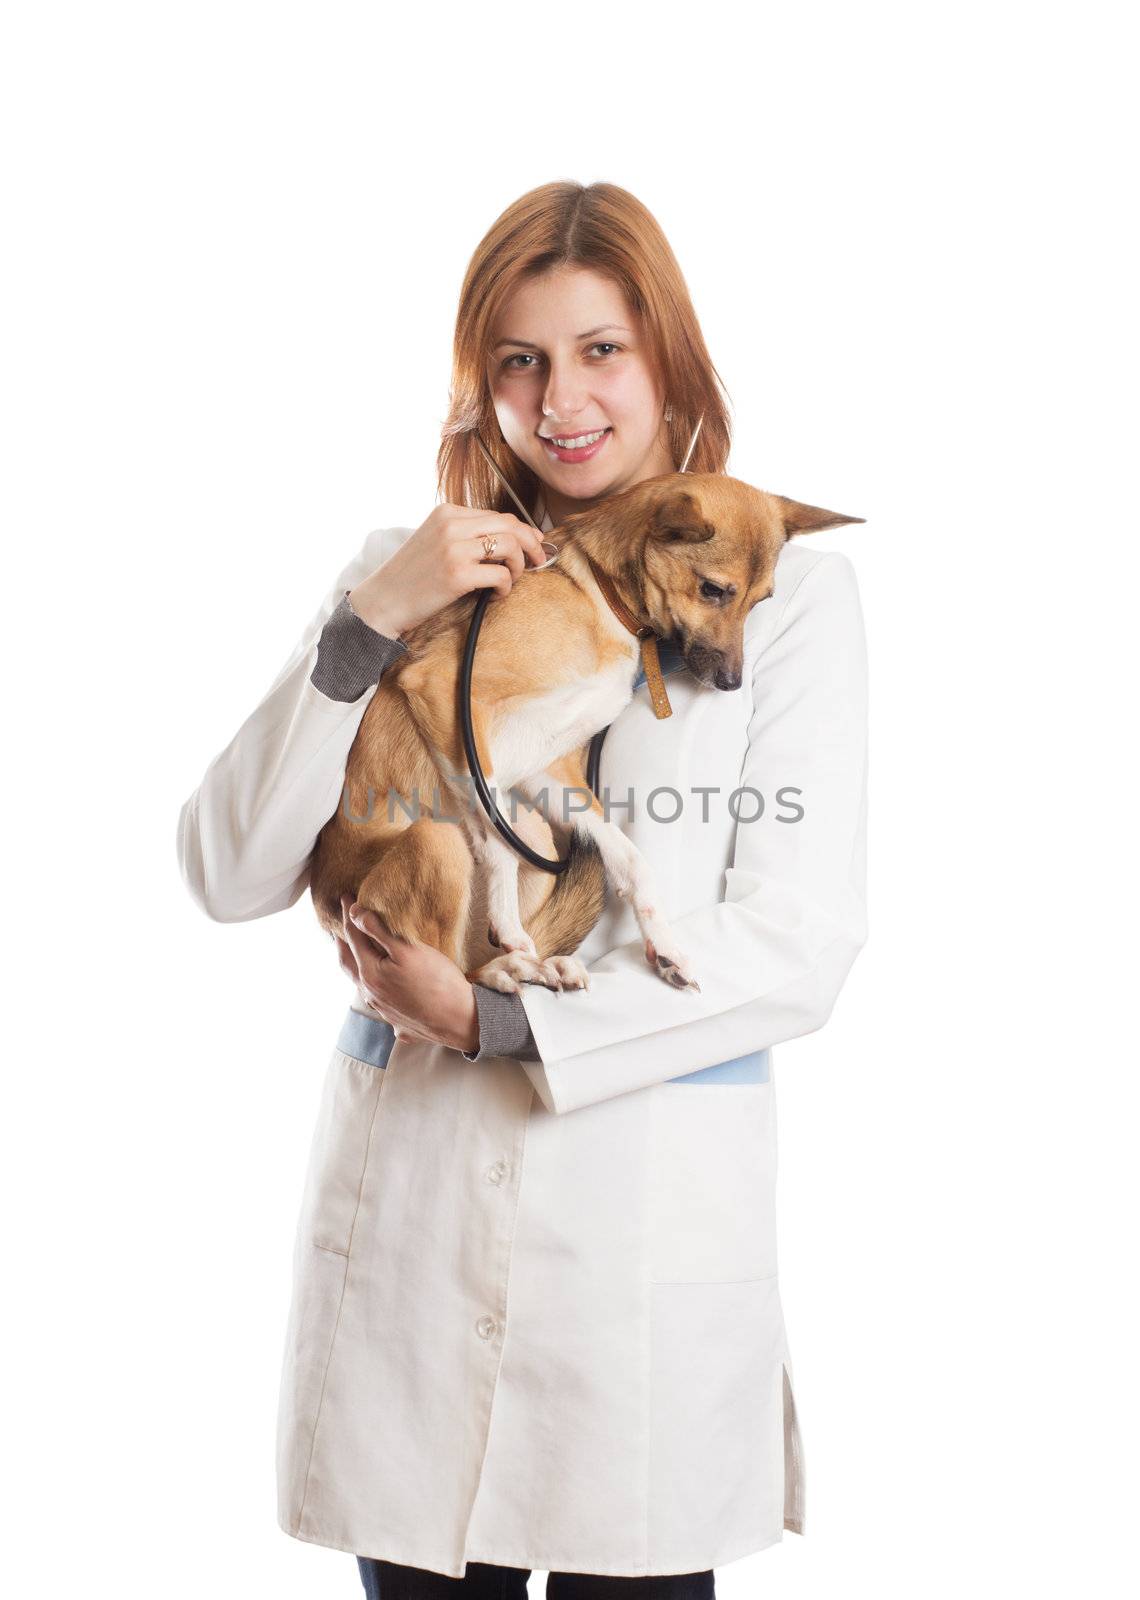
(533, 735)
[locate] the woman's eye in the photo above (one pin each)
(529, 356)
(711, 591)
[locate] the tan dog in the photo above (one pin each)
(689, 554)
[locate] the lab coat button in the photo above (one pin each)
(485, 1327)
(496, 1173)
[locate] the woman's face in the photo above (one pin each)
(568, 360)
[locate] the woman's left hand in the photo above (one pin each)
(421, 992)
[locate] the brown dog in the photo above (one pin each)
(689, 554)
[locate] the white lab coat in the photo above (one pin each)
(536, 1317)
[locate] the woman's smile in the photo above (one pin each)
(576, 447)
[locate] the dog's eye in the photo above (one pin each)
(711, 591)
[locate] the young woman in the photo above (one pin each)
(536, 1321)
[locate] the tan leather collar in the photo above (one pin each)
(641, 630)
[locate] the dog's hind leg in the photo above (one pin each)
(557, 926)
(500, 865)
(421, 886)
(497, 862)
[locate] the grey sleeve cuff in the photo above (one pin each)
(504, 1029)
(351, 655)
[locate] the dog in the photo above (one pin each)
(689, 554)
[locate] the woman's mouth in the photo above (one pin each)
(578, 446)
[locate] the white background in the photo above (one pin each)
(235, 239)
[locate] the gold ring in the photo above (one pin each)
(490, 545)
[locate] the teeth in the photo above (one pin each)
(580, 442)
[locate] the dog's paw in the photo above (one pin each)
(496, 974)
(672, 966)
(506, 972)
(570, 971)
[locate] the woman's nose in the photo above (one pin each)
(564, 401)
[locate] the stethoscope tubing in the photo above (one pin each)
(481, 786)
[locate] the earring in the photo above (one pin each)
(668, 413)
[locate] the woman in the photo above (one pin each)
(535, 1321)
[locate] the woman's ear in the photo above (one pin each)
(678, 516)
(798, 518)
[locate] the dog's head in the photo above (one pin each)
(700, 550)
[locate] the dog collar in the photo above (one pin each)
(641, 630)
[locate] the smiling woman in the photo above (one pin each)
(578, 356)
(536, 1320)
(597, 385)
(587, 414)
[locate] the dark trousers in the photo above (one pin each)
(385, 1580)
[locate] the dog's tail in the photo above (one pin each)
(574, 904)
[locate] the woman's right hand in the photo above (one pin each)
(443, 560)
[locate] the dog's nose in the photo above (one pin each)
(726, 678)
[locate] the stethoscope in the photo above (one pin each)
(593, 765)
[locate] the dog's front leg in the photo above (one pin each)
(566, 795)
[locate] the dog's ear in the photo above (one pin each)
(798, 518)
(678, 517)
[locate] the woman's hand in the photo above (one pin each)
(443, 560)
(422, 993)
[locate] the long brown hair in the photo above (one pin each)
(607, 229)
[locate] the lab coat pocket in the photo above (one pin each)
(712, 1170)
(339, 1154)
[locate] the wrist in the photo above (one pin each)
(471, 1021)
(377, 611)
